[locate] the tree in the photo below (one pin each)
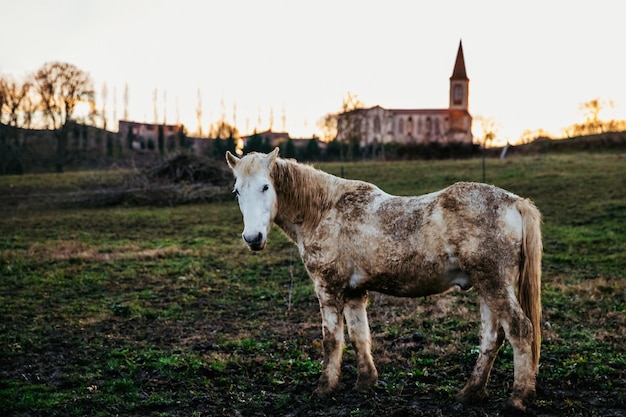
(15, 111)
(349, 124)
(161, 140)
(103, 112)
(591, 111)
(183, 143)
(61, 86)
(223, 130)
(489, 132)
(312, 150)
(289, 149)
(199, 114)
(126, 100)
(530, 135)
(328, 126)
(253, 144)
(14, 101)
(593, 124)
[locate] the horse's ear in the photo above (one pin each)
(271, 157)
(231, 159)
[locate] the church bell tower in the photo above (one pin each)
(459, 83)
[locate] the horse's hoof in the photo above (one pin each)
(364, 388)
(323, 391)
(470, 396)
(519, 399)
(516, 405)
(365, 385)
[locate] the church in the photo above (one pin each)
(377, 125)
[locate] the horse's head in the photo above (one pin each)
(256, 195)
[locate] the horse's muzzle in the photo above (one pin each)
(255, 243)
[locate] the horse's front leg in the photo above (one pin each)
(331, 307)
(359, 332)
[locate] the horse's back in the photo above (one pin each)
(415, 246)
(482, 225)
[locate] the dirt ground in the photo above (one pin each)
(269, 376)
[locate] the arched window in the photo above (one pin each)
(458, 94)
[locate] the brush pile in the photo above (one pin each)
(189, 168)
(180, 178)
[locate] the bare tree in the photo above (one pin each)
(115, 106)
(223, 130)
(349, 123)
(489, 130)
(126, 98)
(593, 123)
(103, 111)
(155, 104)
(199, 114)
(164, 107)
(13, 98)
(271, 119)
(177, 111)
(30, 106)
(17, 107)
(61, 86)
(328, 126)
(591, 111)
(530, 135)
(283, 118)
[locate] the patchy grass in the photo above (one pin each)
(163, 311)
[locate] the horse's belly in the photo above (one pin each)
(416, 283)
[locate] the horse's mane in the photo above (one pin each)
(304, 193)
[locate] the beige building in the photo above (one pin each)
(376, 125)
(146, 135)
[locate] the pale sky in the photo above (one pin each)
(531, 64)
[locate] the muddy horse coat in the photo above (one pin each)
(354, 237)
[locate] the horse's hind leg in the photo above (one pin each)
(359, 332)
(491, 339)
(502, 302)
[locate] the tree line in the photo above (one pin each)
(47, 99)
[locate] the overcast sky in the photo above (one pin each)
(531, 64)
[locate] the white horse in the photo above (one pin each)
(354, 237)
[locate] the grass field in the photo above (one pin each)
(162, 311)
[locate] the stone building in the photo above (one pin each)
(146, 135)
(376, 125)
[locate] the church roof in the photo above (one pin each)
(419, 111)
(459, 65)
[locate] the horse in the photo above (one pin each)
(354, 238)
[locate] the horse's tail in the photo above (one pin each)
(529, 291)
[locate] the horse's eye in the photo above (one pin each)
(235, 192)
(266, 187)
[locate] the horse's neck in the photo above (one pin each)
(304, 195)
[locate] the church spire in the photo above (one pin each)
(459, 65)
(459, 83)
